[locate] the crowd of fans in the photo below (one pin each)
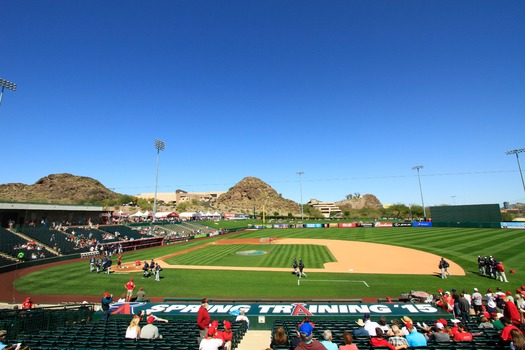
(471, 316)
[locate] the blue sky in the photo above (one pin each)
(353, 93)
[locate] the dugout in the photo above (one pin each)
(472, 216)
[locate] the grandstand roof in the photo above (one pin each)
(37, 206)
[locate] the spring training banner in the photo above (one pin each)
(283, 309)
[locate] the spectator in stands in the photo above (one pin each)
(327, 342)
(141, 294)
(242, 317)
(463, 335)
(406, 320)
(360, 331)
(506, 336)
(379, 340)
(511, 311)
(203, 319)
(485, 323)
(27, 304)
(306, 319)
(157, 319)
(307, 338)
(106, 300)
(133, 330)
(294, 342)
(518, 340)
(279, 338)
(122, 298)
(227, 335)
(397, 339)
(348, 339)
(439, 333)
(3, 334)
(370, 325)
(150, 331)
(414, 338)
(496, 321)
(209, 342)
(384, 325)
(477, 302)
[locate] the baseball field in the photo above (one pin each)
(341, 263)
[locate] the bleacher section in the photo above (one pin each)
(86, 233)
(176, 335)
(123, 232)
(43, 235)
(488, 339)
(8, 240)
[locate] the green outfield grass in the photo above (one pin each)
(457, 244)
(275, 255)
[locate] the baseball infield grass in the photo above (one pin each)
(457, 244)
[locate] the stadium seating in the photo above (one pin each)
(43, 235)
(124, 231)
(8, 241)
(488, 340)
(177, 335)
(87, 232)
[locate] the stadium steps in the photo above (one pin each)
(255, 340)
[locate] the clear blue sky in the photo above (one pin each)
(353, 93)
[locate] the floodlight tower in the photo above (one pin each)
(6, 84)
(418, 167)
(516, 151)
(159, 146)
(300, 173)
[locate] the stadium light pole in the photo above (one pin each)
(418, 167)
(300, 173)
(516, 152)
(6, 84)
(454, 199)
(159, 146)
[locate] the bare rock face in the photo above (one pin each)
(364, 201)
(252, 193)
(58, 189)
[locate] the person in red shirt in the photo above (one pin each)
(130, 286)
(378, 340)
(462, 334)
(511, 312)
(508, 326)
(27, 304)
(227, 335)
(203, 319)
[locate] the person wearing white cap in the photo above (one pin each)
(477, 302)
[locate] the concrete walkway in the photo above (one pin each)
(255, 340)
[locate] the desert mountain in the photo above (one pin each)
(360, 202)
(58, 189)
(252, 193)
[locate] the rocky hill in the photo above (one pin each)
(252, 192)
(57, 189)
(360, 202)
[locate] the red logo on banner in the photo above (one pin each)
(300, 310)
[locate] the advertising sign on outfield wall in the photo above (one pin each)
(383, 224)
(422, 224)
(347, 224)
(518, 225)
(282, 309)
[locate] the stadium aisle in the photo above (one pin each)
(255, 340)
